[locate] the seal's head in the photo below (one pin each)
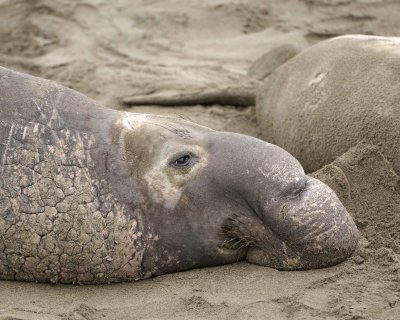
(210, 197)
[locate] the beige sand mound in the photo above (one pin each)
(369, 188)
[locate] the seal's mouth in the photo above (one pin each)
(233, 230)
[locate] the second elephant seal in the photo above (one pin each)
(332, 96)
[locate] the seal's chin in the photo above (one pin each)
(270, 250)
(274, 260)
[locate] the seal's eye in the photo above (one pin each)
(182, 160)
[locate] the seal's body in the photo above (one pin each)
(93, 195)
(60, 219)
(332, 96)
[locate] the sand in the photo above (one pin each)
(110, 50)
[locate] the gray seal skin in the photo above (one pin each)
(332, 96)
(93, 195)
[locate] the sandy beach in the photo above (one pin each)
(110, 50)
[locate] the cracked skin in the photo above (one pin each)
(59, 219)
(93, 195)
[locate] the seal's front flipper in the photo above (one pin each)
(232, 96)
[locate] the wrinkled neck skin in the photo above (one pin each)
(241, 198)
(65, 209)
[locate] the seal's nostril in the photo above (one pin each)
(298, 186)
(303, 185)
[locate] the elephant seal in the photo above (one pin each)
(94, 195)
(333, 95)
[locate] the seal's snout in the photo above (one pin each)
(321, 218)
(310, 229)
(291, 220)
(295, 187)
